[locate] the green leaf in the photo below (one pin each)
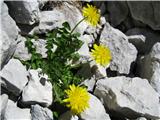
(66, 25)
(60, 74)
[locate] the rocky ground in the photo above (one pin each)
(128, 90)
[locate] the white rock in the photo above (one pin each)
(21, 50)
(3, 105)
(137, 40)
(14, 75)
(15, 113)
(40, 113)
(38, 90)
(42, 3)
(84, 53)
(50, 20)
(68, 116)
(141, 118)
(84, 50)
(24, 12)
(149, 67)
(90, 83)
(98, 70)
(9, 34)
(92, 68)
(123, 52)
(96, 110)
(151, 38)
(73, 15)
(40, 45)
(128, 96)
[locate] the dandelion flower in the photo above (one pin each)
(77, 99)
(101, 54)
(91, 14)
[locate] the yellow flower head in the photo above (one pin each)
(91, 14)
(101, 54)
(77, 99)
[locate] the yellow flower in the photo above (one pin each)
(77, 99)
(101, 54)
(91, 14)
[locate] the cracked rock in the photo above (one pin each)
(149, 67)
(40, 113)
(14, 76)
(130, 97)
(123, 52)
(13, 112)
(38, 90)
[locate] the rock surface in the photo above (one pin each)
(15, 113)
(38, 90)
(149, 67)
(141, 118)
(3, 105)
(128, 97)
(138, 41)
(40, 46)
(40, 113)
(118, 11)
(49, 20)
(123, 52)
(52, 19)
(151, 38)
(90, 83)
(24, 12)
(68, 116)
(96, 111)
(14, 79)
(146, 12)
(9, 32)
(21, 50)
(73, 15)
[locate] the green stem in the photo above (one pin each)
(56, 94)
(77, 25)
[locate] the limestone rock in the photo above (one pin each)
(40, 45)
(118, 12)
(151, 38)
(84, 53)
(3, 104)
(95, 111)
(123, 52)
(15, 113)
(14, 75)
(137, 40)
(52, 19)
(38, 90)
(149, 67)
(141, 118)
(21, 50)
(49, 20)
(9, 32)
(40, 113)
(24, 12)
(146, 12)
(68, 116)
(129, 97)
(90, 83)
(73, 15)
